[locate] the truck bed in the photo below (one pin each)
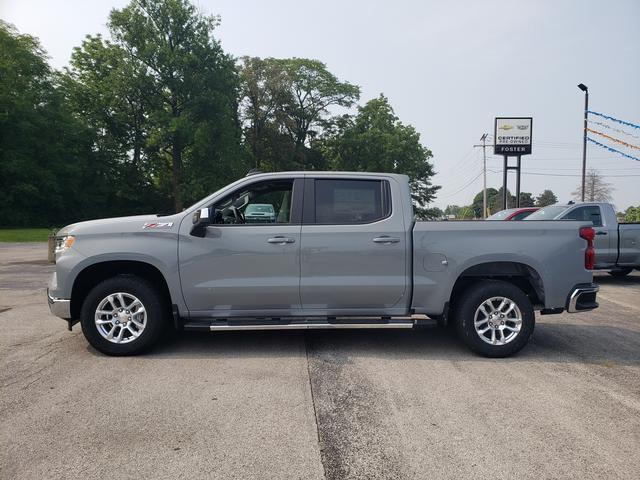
(553, 252)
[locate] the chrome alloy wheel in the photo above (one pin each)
(498, 320)
(120, 317)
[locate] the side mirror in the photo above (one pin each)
(201, 220)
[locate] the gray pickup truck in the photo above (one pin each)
(343, 250)
(617, 244)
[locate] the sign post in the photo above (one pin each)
(512, 138)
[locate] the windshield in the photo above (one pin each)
(501, 215)
(547, 213)
(259, 209)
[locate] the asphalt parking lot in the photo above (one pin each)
(377, 404)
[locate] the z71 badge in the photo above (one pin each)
(158, 225)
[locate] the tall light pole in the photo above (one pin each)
(584, 88)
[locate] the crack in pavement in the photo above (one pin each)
(358, 439)
(313, 403)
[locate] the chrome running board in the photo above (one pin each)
(307, 326)
(300, 323)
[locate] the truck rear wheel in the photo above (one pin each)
(123, 315)
(494, 318)
(620, 273)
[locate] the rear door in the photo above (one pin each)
(353, 246)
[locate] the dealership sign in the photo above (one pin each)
(512, 136)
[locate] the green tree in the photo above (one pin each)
(112, 94)
(495, 204)
(263, 92)
(494, 201)
(632, 214)
(46, 158)
(526, 199)
(478, 201)
(452, 210)
(376, 140)
(192, 91)
(546, 198)
(285, 105)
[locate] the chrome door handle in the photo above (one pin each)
(384, 239)
(601, 233)
(281, 240)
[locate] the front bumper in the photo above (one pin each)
(60, 307)
(582, 298)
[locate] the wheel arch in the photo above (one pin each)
(519, 274)
(95, 273)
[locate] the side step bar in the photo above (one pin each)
(278, 324)
(308, 326)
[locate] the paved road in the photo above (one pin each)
(317, 405)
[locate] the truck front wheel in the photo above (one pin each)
(123, 315)
(494, 318)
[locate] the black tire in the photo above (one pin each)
(620, 273)
(156, 315)
(469, 302)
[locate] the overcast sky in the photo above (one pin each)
(448, 68)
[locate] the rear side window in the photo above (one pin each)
(521, 215)
(351, 201)
(586, 214)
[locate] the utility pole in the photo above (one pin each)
(584, 88)
(483, 138)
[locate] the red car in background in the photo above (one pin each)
(513, 213)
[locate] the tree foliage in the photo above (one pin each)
(284, 106)
(546, 198)
(376, 140)
(46, 160)
(156, 114)
(632, 214)
(190, 91)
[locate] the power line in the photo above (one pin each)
(565, 174)
(468, 184)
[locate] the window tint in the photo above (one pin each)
(259, 203)
(521, 215)
(351, 201)
(586, 214)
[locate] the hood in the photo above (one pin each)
(137, 223)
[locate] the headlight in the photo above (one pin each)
(64, 243)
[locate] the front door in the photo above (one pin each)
(353, 247)
(248, 262)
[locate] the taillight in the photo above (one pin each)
(588, 233)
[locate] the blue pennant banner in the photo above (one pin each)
(612, 149)
(628, 124)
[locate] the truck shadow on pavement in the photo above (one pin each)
(551, 343)
(613, 281)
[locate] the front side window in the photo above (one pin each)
(586, 214)
(260, 203)
(351, 201)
